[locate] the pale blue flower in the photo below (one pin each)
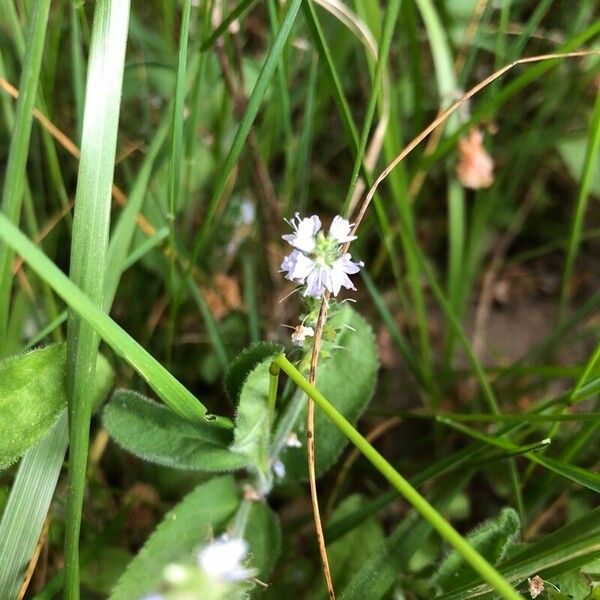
(339, 230)
(222, 559)
(298, 266)
(304, 234)
(316, 261)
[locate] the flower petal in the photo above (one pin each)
(346, 264)
(297, 265)
(340, 230)
(337, 279)
(316, 281)
(305, 230)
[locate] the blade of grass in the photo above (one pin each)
(589, 168)
(174, 178)
(28, 504)
(125, 227)
(15, 178)
(77, 67)
(88, 249)
(583, 477)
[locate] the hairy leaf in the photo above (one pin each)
(156, 434)
(32, 394)
(263, 533)
(492, 539)
(252, 424)
(243, 363)
(347, 380)
(200, 514)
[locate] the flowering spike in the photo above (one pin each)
(317, 261)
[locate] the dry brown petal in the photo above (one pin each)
(475, 167)
(536, 586)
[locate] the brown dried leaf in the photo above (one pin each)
(475, 166)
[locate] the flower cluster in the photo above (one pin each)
(218, 574)
(317, 260)
(222, 559)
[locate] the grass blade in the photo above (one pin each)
(88, 249)
(589, 167)
(15, 178)
(28, 504)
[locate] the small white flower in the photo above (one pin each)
(340, 230)
(154, 597)
(221, 559)
(304, 234)
(279, 469)
(300, 333)
(316, 261)
(292, 440)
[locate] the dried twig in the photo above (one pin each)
(34, 560)
(310, 444)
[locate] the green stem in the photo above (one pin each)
(273, 381)
(479, 564)
(241, 519)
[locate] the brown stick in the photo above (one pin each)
(310, 445)
(34, 559)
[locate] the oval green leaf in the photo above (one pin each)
(347, 380)
(32, 395)
(156, 434)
